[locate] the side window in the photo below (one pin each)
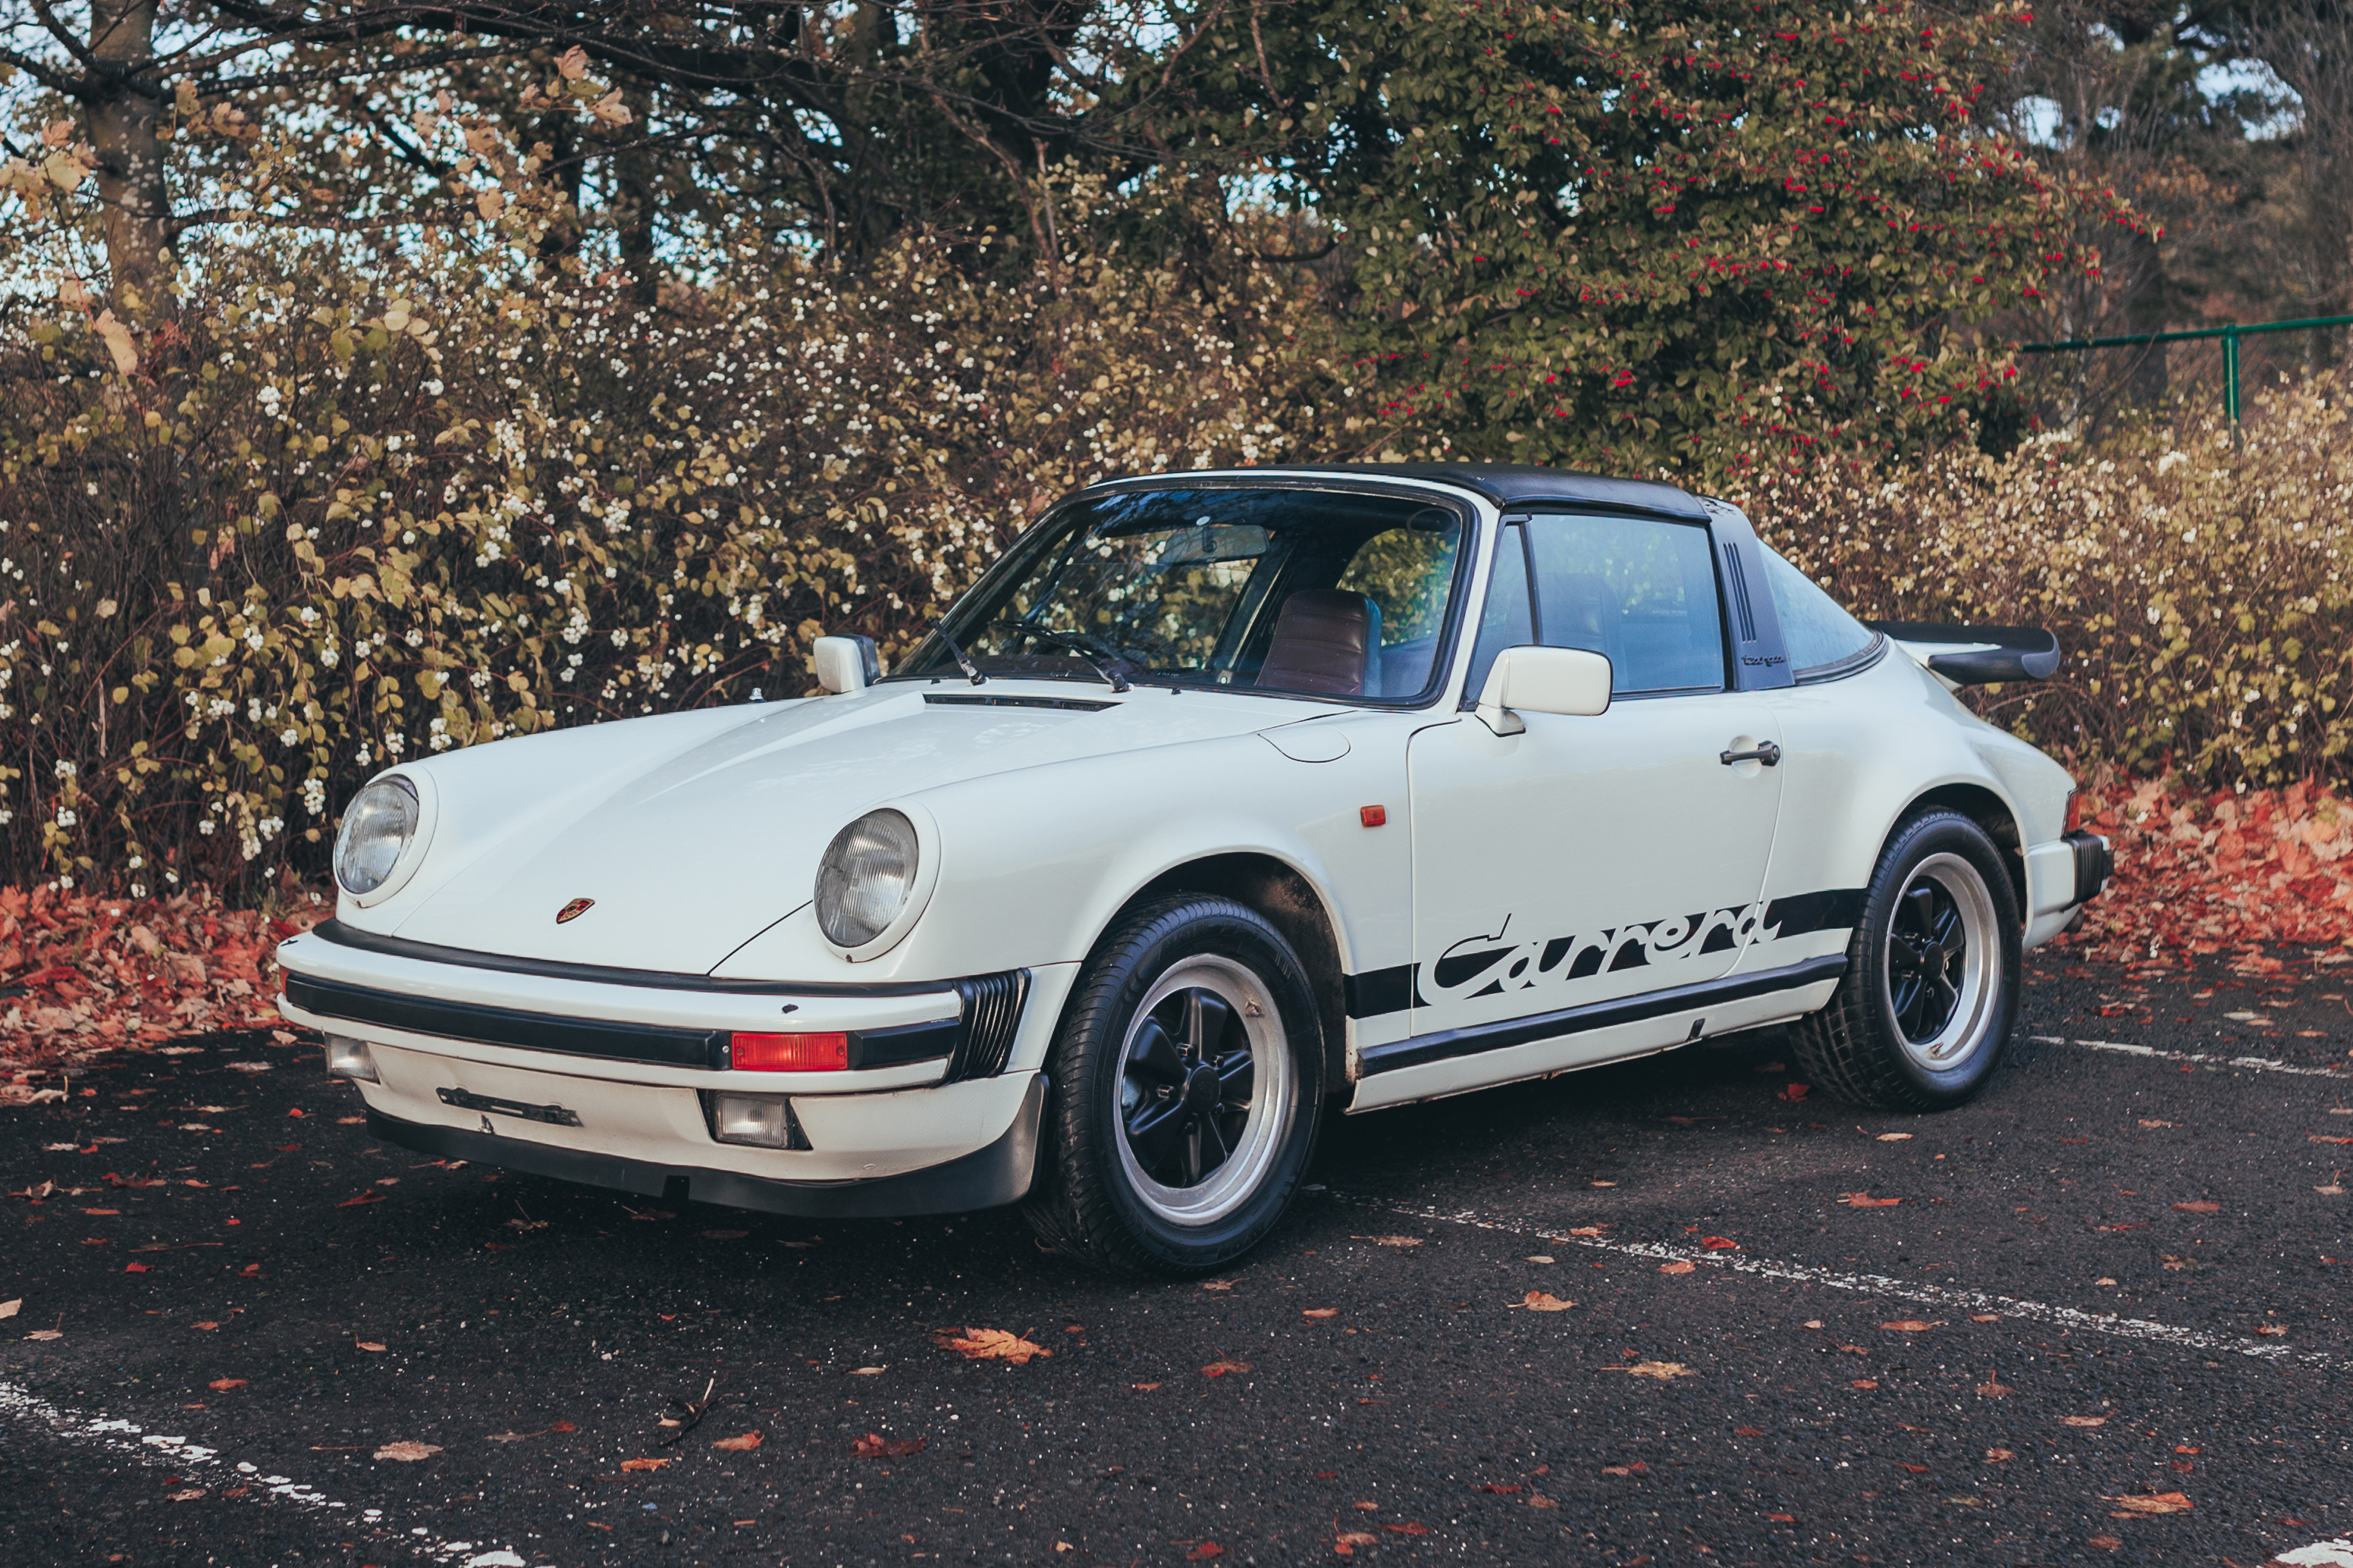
(1818, 634)
(1505, 621)
(1641, 591)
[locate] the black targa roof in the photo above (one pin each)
(1511, 484)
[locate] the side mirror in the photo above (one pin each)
(1569, 680)
(847, 664)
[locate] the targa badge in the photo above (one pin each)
(574, 910)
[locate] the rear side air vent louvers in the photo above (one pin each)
(992, 1013)
(1737, 580)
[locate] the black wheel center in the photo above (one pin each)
(1924, 939)
(1201, 1087)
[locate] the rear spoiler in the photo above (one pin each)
(1975, 656)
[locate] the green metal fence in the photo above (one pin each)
(2229, 335)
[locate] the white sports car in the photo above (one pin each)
(1223, 799)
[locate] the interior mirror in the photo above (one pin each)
(847, 664)
(1572, 680)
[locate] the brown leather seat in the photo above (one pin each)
(1327, 641)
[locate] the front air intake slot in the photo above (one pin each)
(992, 1014)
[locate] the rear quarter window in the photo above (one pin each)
(1819, 635)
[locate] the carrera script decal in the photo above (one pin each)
(1490, 965)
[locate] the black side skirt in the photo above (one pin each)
(986, 1178)
(1451, 1043)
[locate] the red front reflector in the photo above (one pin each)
(790, 1053)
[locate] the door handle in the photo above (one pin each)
(1765, 751)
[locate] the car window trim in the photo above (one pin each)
(1441, 668)
(1723, 622)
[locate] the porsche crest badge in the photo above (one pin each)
(573, 910)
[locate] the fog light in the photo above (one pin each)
(347, 1058)
(764, 1120)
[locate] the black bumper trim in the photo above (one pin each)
(484, 1026)
(988, 1012)
(986, 1178)
(1444, 1046)
(2095, 864)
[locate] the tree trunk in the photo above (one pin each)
(122, 113)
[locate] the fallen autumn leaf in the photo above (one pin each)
(873, 1445)
(992, 1344)
(1538, 1301)
(1662, 1370)
(743, 1445)
(408, 1453)
(2151, 1503)
(1680, 1266)
(645, 1464)
(1220, 1368)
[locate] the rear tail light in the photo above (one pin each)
(347, 1058)
(789, 1053)
(2081, 809)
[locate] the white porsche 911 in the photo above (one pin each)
(1223, 799)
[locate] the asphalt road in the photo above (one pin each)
(2120, 1272)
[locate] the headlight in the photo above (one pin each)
(865, 878)
(377, 828)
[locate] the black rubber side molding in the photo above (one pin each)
(986, 1178)
(2018, 653)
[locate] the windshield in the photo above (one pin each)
(1304, 592)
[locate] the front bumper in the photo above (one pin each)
(998, 1172)
(605, 1076)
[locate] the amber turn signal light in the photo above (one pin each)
(789, 1053)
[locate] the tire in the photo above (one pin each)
(1162, 1157)
(1922, 1016)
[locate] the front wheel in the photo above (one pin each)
(1920, 1019)
(1188, 1079)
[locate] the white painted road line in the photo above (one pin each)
(2109, 1323)
(196, 1461)
(2319, 1555)
(2251, 1064)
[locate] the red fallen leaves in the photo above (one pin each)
(2199, 875)
(224, 1384)
(992, 1344)
(1203, 1552)
(362, 1198)
(1795, 1091)
(563, 1426)
(874, 1446)
(1865, 1200)
(1220, 1368)
(751, 1440)
(1346, 1543)
(1719, 1243)
(1500, 1490)
(2199, 1206)
(645, 1464)
(134, 1269)
(101, 972)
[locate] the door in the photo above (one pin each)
(1592, 859)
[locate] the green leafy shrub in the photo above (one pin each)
(332, 509)
(2199, 587)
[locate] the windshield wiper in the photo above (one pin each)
(1071, 643)
(963, 663)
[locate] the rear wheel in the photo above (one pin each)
(1923, 1012)
(1188, 1085)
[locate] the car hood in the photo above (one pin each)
(692, 841)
